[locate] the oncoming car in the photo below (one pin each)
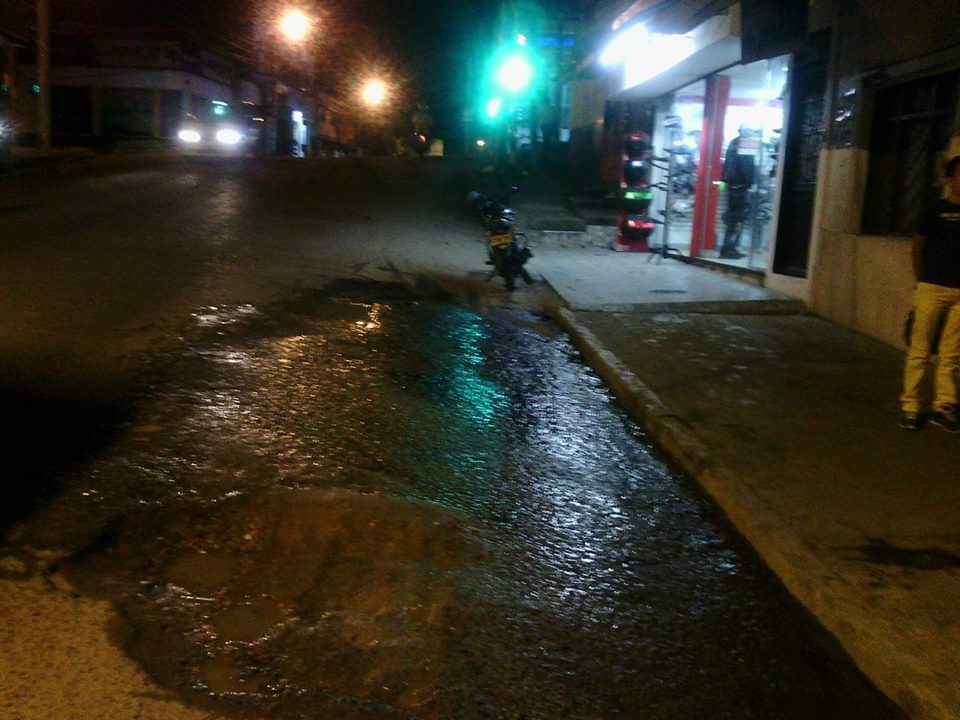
(220, 131)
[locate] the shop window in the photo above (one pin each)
(912, 125)
(724, 135)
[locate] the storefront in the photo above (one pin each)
(723, 136)
(726, 134)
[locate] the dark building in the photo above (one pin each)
(132, 72)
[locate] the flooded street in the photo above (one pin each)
(361, 504)
(279, 450)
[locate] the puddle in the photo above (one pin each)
(334, 592)
(249, 622)
(202, 574)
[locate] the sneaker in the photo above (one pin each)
(909, 421)
(946, 419)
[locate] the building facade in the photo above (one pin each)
(719, 100)
(891, 122)
(139, 82)
(810, 134)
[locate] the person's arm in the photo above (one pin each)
(919, 242)
(728, 162)
(926, 225)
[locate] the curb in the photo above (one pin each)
(829, 597)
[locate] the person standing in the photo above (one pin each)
(739, 174)
(936, 265)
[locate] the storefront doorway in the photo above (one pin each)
(725, 134)
(299, 131)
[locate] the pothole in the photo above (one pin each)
(315, 596)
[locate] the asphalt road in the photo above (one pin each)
(278, 450)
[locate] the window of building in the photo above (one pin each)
(733, 208)
(912, 126)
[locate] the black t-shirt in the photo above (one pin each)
(941, 252)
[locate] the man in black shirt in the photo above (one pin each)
(936, 264)
(739, 173)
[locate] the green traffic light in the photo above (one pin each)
(515, 74)
(493, 107)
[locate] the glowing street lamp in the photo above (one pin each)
(295, 25)
(374, 92)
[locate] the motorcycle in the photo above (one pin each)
(491, 208)
(508, 253)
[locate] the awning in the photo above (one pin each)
(659, 64)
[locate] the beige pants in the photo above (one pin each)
(935, 306)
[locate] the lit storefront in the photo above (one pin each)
(720, 128)
(725, 134)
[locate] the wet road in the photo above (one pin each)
(360, 500)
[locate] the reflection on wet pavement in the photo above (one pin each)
(352, 507)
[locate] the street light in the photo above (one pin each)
(295, 25)
(494, 105)
(374, 92)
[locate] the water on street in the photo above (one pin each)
(357, 500)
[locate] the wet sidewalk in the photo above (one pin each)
(790, 423)
(598, 279)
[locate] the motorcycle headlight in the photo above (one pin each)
(229, 137)
(190, 136)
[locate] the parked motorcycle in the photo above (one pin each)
(509, 253)
(490, 208)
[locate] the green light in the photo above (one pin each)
(515, 74)
(637, 195)
(35, 88)
(494, 106)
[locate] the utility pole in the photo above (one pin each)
(43, 73)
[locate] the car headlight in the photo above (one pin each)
(229, 137)
(190, 136)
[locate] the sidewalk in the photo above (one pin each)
(789, 422)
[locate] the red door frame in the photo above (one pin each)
(710, 170)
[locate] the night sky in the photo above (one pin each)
(432, 42)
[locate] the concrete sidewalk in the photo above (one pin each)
(599, 279)
(789, 422)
